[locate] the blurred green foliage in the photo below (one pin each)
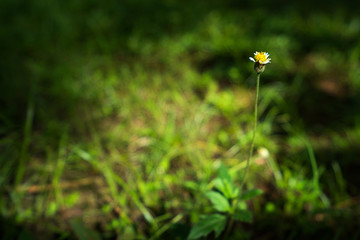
(116, 115)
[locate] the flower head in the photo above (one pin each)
(261, 57)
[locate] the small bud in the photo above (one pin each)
(259, 68)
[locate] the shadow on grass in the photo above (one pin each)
(41, 41)
(322, 225)
(10, 230)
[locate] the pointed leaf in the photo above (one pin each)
(250, 194)
(230, 191)
(219, 184)
(225, 187)
(209, 223)
(224, 174)
(242, 215)
(219, 202)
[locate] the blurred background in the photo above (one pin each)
(115, 116)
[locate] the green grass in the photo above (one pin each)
(116, 116)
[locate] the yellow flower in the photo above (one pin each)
(261, 57)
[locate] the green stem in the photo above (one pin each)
(234, 203)
(254, 132)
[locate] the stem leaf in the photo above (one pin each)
(219, 202)
(209, 223)
(250, 194)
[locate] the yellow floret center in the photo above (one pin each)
(260, 57)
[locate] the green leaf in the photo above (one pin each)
(224, 183)
(209, 223)
(250, 194)
(226, 187)
(219, 202)
(231, 191)
(219, 184)
(224, 174)
(242, 215)
(192, 185)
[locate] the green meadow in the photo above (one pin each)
(133, 119)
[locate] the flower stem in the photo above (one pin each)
(235, 202)
(254, 132)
